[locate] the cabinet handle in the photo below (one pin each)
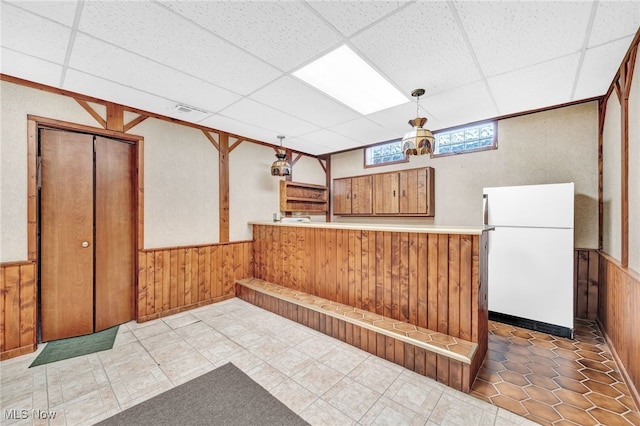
(394, 192)
(355, 196)
(347, 196)
(403, 193)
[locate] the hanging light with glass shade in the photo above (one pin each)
(418, 141)
(281, 167)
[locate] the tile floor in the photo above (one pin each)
(325, 381)
(553, 380)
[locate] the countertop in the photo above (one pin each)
(427, 229)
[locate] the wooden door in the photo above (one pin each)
(386, 196)
(342, 196)
(361, 195)
(87, 247)
(115, 233)
(66, 227)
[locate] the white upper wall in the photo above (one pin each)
(611, 183)
(16, 102)
(634, 171)
(554, 146)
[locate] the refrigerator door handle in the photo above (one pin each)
(485, 209)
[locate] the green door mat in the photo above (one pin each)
(58, 350)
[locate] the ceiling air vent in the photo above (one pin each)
(186, 109)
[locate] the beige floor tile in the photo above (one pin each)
(293, 395)
(317, 378)
(321, 412)
(390, 413)
(374, 375)
(416, 392)
(150, 330)
(351, 398)
(290, 361)
(266, 375)
(180, 320)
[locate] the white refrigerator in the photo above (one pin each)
(531, 256)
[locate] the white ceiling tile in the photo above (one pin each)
(284, 34)
(514, 34)
(29, 34)
(80, 82)
(396, 120)
(324, 141)
(420, 46)
(364, 131)
(29, 68)
(156, 33)
(537, 86)
(292, 96)
(98, 58)
(268, 118)
(57, 10)
(349, 17)
(614, 20)
(461, 105)
(600, 67)
(238, 127)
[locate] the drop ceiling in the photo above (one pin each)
(234, 60)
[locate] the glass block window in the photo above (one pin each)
(477, 137)
(384, 153)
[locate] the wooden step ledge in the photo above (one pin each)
(432, 341)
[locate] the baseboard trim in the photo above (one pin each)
(530, 324)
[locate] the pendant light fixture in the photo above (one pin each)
(418, 141)
(281, 167)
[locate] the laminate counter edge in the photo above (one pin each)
(426, 229)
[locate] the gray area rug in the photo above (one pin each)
(224, 396)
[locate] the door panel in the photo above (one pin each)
(342, 196)
(115, 233)
(386, 199)
(66, 223)
(361, 195)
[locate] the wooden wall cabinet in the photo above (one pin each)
(401, 193)
(353, 196)
(303, 197)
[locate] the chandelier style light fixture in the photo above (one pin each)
(281, 167)
(418, 141)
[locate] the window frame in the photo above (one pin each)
(494, 143)
(405, 158)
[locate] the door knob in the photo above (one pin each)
(85, 244)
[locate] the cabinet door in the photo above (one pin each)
(386, 200)
(416, 191)
(413, 195)
(342, 196)
(362, 192)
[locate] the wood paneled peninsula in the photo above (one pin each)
(415, 295)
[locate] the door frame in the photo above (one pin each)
(33, 124)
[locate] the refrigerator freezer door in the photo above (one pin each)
(546, 206)
(531, 274)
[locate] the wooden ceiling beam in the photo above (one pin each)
(92, 112)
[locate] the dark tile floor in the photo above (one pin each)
(553, 380)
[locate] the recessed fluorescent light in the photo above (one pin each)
(343, 75)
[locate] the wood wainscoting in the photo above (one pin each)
(175, 279)
(18, 315)
(619, 318)
(429, 280)
(585, 283)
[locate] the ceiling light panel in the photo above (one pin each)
(154, 32)
(420, 46)
(513, 34)
(344, 76)
(284, 34)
